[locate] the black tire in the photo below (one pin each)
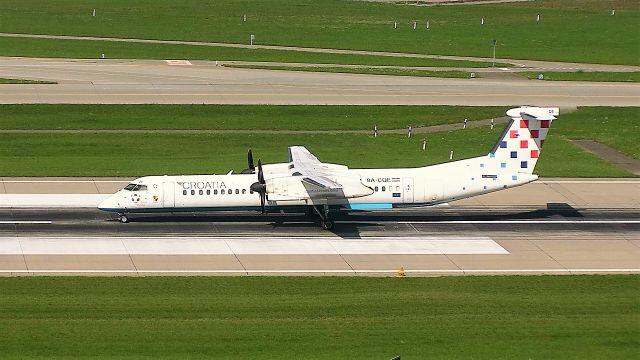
(328, 225)
(124, 219)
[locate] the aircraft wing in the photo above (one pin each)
(300, 154)
(323, 180)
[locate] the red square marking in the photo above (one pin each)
(544, 124)
(534, 154)
(524, 124)
(513, 134)
(524, 144)
(535, 134)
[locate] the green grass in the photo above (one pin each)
(586, 76)
(362, 70)
(245, 117)
(565, 33)
(537, 317)
(24, 81)
(618, 127)
(87, 49)
(128, 154)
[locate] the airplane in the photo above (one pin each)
(322, 189)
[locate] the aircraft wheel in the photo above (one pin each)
(327, 224)
(124, 219)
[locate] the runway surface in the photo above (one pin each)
(554, 226)
(155, 81)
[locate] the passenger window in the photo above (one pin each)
(230, 192)
(384, 188)
(244, 191)
(200, 192)
(184, 192)
(222, 192)
(208, 192)
(237, 191)
(375, 189)
(215, 192)
(193, 192)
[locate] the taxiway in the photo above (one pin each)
(156, 81)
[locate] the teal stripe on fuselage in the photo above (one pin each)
(370, 206)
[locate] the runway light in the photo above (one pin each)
(401, 272)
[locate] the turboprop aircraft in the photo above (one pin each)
(306, 183)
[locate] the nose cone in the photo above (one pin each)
(107, 205)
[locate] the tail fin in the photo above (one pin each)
(520, 145)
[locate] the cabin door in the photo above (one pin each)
(407, 193)
(168, 195)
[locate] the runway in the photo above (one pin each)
(554, 226)
(156, 81)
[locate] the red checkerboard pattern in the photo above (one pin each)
(523, 145)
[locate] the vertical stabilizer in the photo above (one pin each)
(520, 145)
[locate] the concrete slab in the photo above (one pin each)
(394, 262)
(523, 260)
(592, 254)
(79, 262)
(162, 263)
(293, 262)
(12, 262)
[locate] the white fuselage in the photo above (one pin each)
(394, 187)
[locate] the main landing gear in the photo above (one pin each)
(325, 220)
(123, 218)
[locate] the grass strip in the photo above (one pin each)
(239, 117)
(362, 70)
(24, 81)
(127, 154)
(260, 318)
(617, 127)
(93, 49)
(564, 33)
(585, 76)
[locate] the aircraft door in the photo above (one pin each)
(168, 195)
(407, 192)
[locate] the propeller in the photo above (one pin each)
(260, 187)
(251, 169)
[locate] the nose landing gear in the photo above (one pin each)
(123, 218)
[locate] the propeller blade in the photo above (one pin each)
(262, 199)
(260, 174)
(251, 167)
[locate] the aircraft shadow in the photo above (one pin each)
(349, 224)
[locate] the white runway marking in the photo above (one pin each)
(25, 222)
(602, 222)
(51, 200)
(248, 246)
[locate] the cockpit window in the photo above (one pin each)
(134, 187)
